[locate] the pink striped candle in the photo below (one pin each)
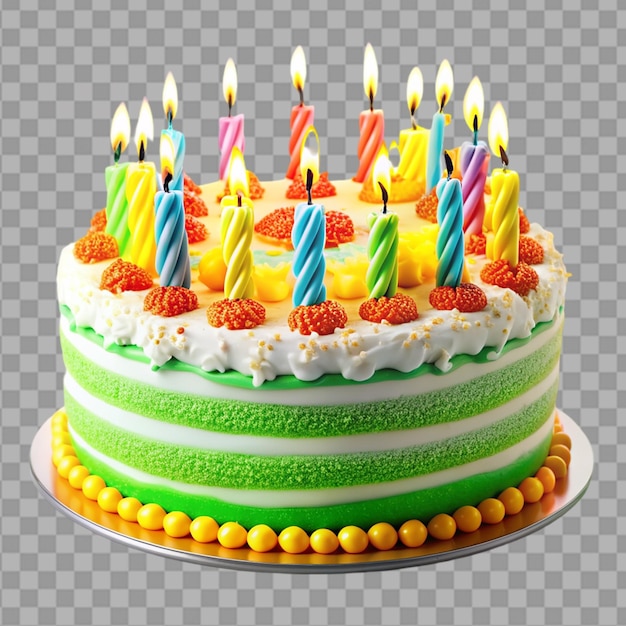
(231, 127)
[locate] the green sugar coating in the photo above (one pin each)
(242, 471)
(240, 417)
(422, 504)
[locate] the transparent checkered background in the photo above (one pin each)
(563, 82)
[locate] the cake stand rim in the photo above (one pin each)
(580, 473)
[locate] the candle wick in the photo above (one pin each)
(142, 151)
(443, 103)
(117, 152)
(170, 117)
(239, 198)
(475, 130)
(413, 122)
(166, 182)
(309, 185)
(230, 104)
(504, 157)
(301, 92)
(449, 165)
(371, 99)
(385, 196)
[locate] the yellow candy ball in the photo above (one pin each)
(150, 516)
(547, 478)
(232, 535)
(66, 464)
(557, 465)
(413, 533)
(562, 439)
(92, 486)
(562, 451)
(442, 526)
(513, 500)
(383, 536)
(353, 539)
(61, 438)
(293, 540)
(531, 489)
(492, 510)
(176, 524)
(212, 269)
(108, 499)
(61, 451)
(204, 529)
(324, 541)
(59, 419)
(127, 509)
(77, 475)
(261, 538)
(468, 519)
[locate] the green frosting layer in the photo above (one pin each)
(242, 471)
(422, 504)
(240, 417)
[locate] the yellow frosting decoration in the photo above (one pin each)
(271, 282)
(349, 277)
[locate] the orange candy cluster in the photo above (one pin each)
(98, 221)
(467, 298)
(476, 244)
(318, 318)
(323, 188)
(189, 186)
(520, 279)
(194, 205)
(524, 224)
(170, 301)
(196, 230)
(124, 276)
(235, 314)
(426, 207)
(398, 309)
(277, 227)
(530, 251)
(255, 189)
(95, 247)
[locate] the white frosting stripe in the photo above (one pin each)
(190, 383)
(332, 496)
(276, 446)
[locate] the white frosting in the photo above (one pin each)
(276, 446)
(331, 496)
(271, 350)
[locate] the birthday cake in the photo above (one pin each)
(297, 365)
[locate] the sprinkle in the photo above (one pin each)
(236, 314)
(323, 188)
(530, 251)
(520, 279)
(426, 207)
(466, 298)
(95, 247)
(322, 318)
(99, 221)
(398, 309)
(180, 330)
(194, 205)
(196, 230)
(124, 276)
(170, 301)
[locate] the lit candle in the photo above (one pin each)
(474, 161)
(309, 235)
(170, 106)
(503, 211)
(443, 86)
(172, 247)
(450, 245)
(237, 226)
(382, 246)
(372, 122)
(140, 190)
(413, 143)
(231, 127)
(115, 178)
(301, 115)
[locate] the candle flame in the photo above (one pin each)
(382, 172)
(370, 72)
(170, 96)
(145, 126)
(166, 149)
(298, 68)
(237, 174)
(229, 82)
(414, 89)
(120, 128)
(444, 84)
(498, 129)
(310, 155)
(474, 103)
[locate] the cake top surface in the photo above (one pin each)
(355, 352)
